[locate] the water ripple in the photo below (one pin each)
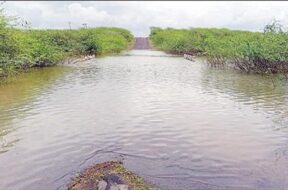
(180, 124)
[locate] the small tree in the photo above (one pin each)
(3, 20)
(274, 27)
(7, 42)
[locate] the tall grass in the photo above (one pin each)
(261, 52)
(25, 48)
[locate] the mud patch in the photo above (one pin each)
(109, 175)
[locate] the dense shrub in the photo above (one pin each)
(25, 48)
(250, 51)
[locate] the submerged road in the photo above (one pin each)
(142, 43)
(181, 126)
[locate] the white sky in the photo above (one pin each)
(139, 16)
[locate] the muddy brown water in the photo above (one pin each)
(179, 124)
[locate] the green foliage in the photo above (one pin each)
(268, 49)
(22, 48)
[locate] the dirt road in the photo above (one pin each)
(142, 43)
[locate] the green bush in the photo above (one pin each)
(25, 48)
(260, 51)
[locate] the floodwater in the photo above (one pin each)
(179, 124)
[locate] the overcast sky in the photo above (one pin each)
(139, 16)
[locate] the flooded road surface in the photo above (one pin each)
(179, 124)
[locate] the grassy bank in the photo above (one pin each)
(25, 48)
(260, 52)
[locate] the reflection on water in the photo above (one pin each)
(264, 93)
(178, 123)
(19, 91)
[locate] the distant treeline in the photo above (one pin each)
(25, 48)
(260, 52)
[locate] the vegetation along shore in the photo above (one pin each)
(257, 52)
(21, 49)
